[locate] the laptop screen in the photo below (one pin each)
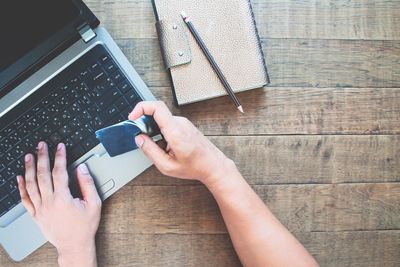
(31, 29)
(26, 23)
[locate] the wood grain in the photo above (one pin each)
(312, 19)
(331, 249)
(265, 160)
(274, 111)
(296, 62)
(302, 208)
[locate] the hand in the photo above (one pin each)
(69, 224)
(189, 154)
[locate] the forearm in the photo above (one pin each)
(257, 235)
(83, 257)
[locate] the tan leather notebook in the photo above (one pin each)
(228, 30)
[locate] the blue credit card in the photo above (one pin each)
(120, 138)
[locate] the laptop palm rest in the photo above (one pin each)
(111, 173)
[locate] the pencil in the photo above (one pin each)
(212, 61)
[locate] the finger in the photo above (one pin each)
(156, 154)
(26, 200)
(162, 115)
(60, 174)
(86, 184)
(43, 172)
(30, 181)
(162, 144)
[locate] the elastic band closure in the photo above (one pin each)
(174, 43)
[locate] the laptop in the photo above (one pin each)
(62, 77)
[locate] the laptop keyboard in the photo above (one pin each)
(90, 94)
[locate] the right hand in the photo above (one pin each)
(189, 154)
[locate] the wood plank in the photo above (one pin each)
(296, 62)
(302, 208)
(277, 111)
(326, 19)
(265, 160)
(353, 249)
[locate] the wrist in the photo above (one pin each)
(224, 173)
(81, 255)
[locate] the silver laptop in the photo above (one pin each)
(62, 77)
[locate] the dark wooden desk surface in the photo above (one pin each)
(321, 145)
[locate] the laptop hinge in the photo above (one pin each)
(86, 33)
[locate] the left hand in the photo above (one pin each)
(69, 224)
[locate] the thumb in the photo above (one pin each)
(86, 184)
(157, 155)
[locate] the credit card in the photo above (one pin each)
(119, 138)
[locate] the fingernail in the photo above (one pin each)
(19, 178)
(83, 168)
(40, 145)
(60, 146)
(139, 141)
(27, 157)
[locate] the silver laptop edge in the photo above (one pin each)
(19, 235)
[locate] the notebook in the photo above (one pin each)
(229, 31)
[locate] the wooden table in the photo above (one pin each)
(320, 145)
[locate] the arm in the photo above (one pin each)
(67, 223)
(257, 235)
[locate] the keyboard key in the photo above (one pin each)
(23, 131)
(104, 58)
(97, 123)
(2, 165)
(7, 202)
(117, 77)
(105, 86)
(36, 138)
(104, 103)
(74, 124)
(17, 123)
(6, 144)
(121, 103)
(18, 150)
(12, 184)
(125, 87)
(75, 109)
(132, 98)
(14, 138)
(66, 116)
(55, 138)
(110, 67)
(10, 172)
(3, 190)
(45, 131)
(55, 123)
(36, 108)
(109, 113)
(94, 110)
(84, 75)
(98, 77)
(77, 136)
(65, 131)
(16, 195)
(68, 142)
(94, 67)
(8, 157)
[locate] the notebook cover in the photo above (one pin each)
(228, 30)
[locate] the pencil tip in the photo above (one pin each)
(240, 108)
